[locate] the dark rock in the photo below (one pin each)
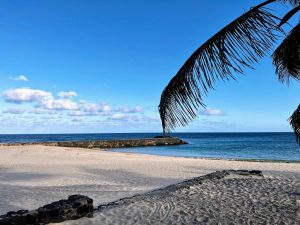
(162, 136)
(246, 172)
(22, 211)
(32, 217)
(256, 172)
(10, 213)
(20, 217)
(75, 207)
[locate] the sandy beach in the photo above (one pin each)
(31, 176)
(223, 197)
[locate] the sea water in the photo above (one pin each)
(258, 146)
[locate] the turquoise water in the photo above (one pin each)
(259, 146)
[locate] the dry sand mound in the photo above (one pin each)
(226, 197)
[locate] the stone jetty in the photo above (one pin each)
(143, 142)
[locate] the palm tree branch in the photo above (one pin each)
(295, 123)
(292, 2)
(289, 15)
(234, 48)
(286, 58)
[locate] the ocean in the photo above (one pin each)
(255, 146)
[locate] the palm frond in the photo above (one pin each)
(286, 57)
(236, 47)
(289, 15)
(292, 2)
(295, 123)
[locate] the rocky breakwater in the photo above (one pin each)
(143, 142)
(75, 207)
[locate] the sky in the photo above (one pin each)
(99, 66)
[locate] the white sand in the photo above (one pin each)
(31, 176)
(217, 198)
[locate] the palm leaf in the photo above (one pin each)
(295, 123)
(286, 57)
(236, 47)
(289, 15)
(292, 2)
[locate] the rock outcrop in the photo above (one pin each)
(75, 207)
(143, 142)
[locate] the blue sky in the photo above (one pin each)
(100, 66)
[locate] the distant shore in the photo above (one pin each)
(34, 175)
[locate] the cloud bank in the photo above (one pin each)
(44, 110)
(44, 102)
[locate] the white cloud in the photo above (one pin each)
(21, 95)
(89, 108)
(94, 109)
(76, 120)
(106, 108)
(60, 104)
(133, 118)
(19, 78)
(211, 112)
(44, 102)
(65, 110)
(43, 99)
(119, 116)
(136, 109)
(42, 111)
(67, 94)
(14, 111)
(76, 113)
